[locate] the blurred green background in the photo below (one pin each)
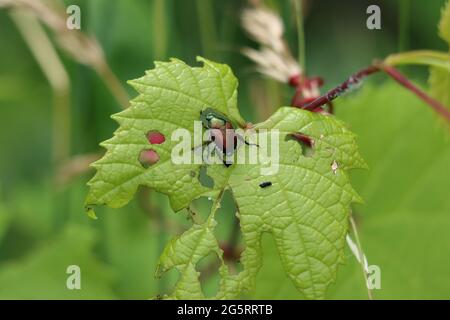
(404, 224)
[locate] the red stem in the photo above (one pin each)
(332, 94)
(400, 78)
(357, 78)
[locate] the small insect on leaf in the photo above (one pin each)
(265, 184)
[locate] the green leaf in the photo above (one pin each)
(305, 207)
(172, 95)
(444, 24)
(440, 78)
(186, 251)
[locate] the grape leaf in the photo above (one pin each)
(305, 206)
(172, 95)
(440, 78)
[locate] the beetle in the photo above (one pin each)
(221, 132)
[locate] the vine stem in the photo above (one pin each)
(216, 204)
(400, 78)
(357, 78)
(348, 84)
(361, 255)
(209, 269)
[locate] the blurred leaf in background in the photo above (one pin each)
(405, 219)
(5, 219)
(42, 273)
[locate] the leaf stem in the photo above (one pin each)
(361, 255)
(420, 57)
(348, 84)
(216, 204)
(357, 78)
(234, 235)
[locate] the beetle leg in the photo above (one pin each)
(209, 151)
(242, 140)
(199, 147)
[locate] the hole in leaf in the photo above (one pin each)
(209, 274)
(202, 207)
(148, 200)
(148, 157)
(306, 142)
(228, 233)
(155, 137)
(232, 255)
(167, 282)
(204, 179)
